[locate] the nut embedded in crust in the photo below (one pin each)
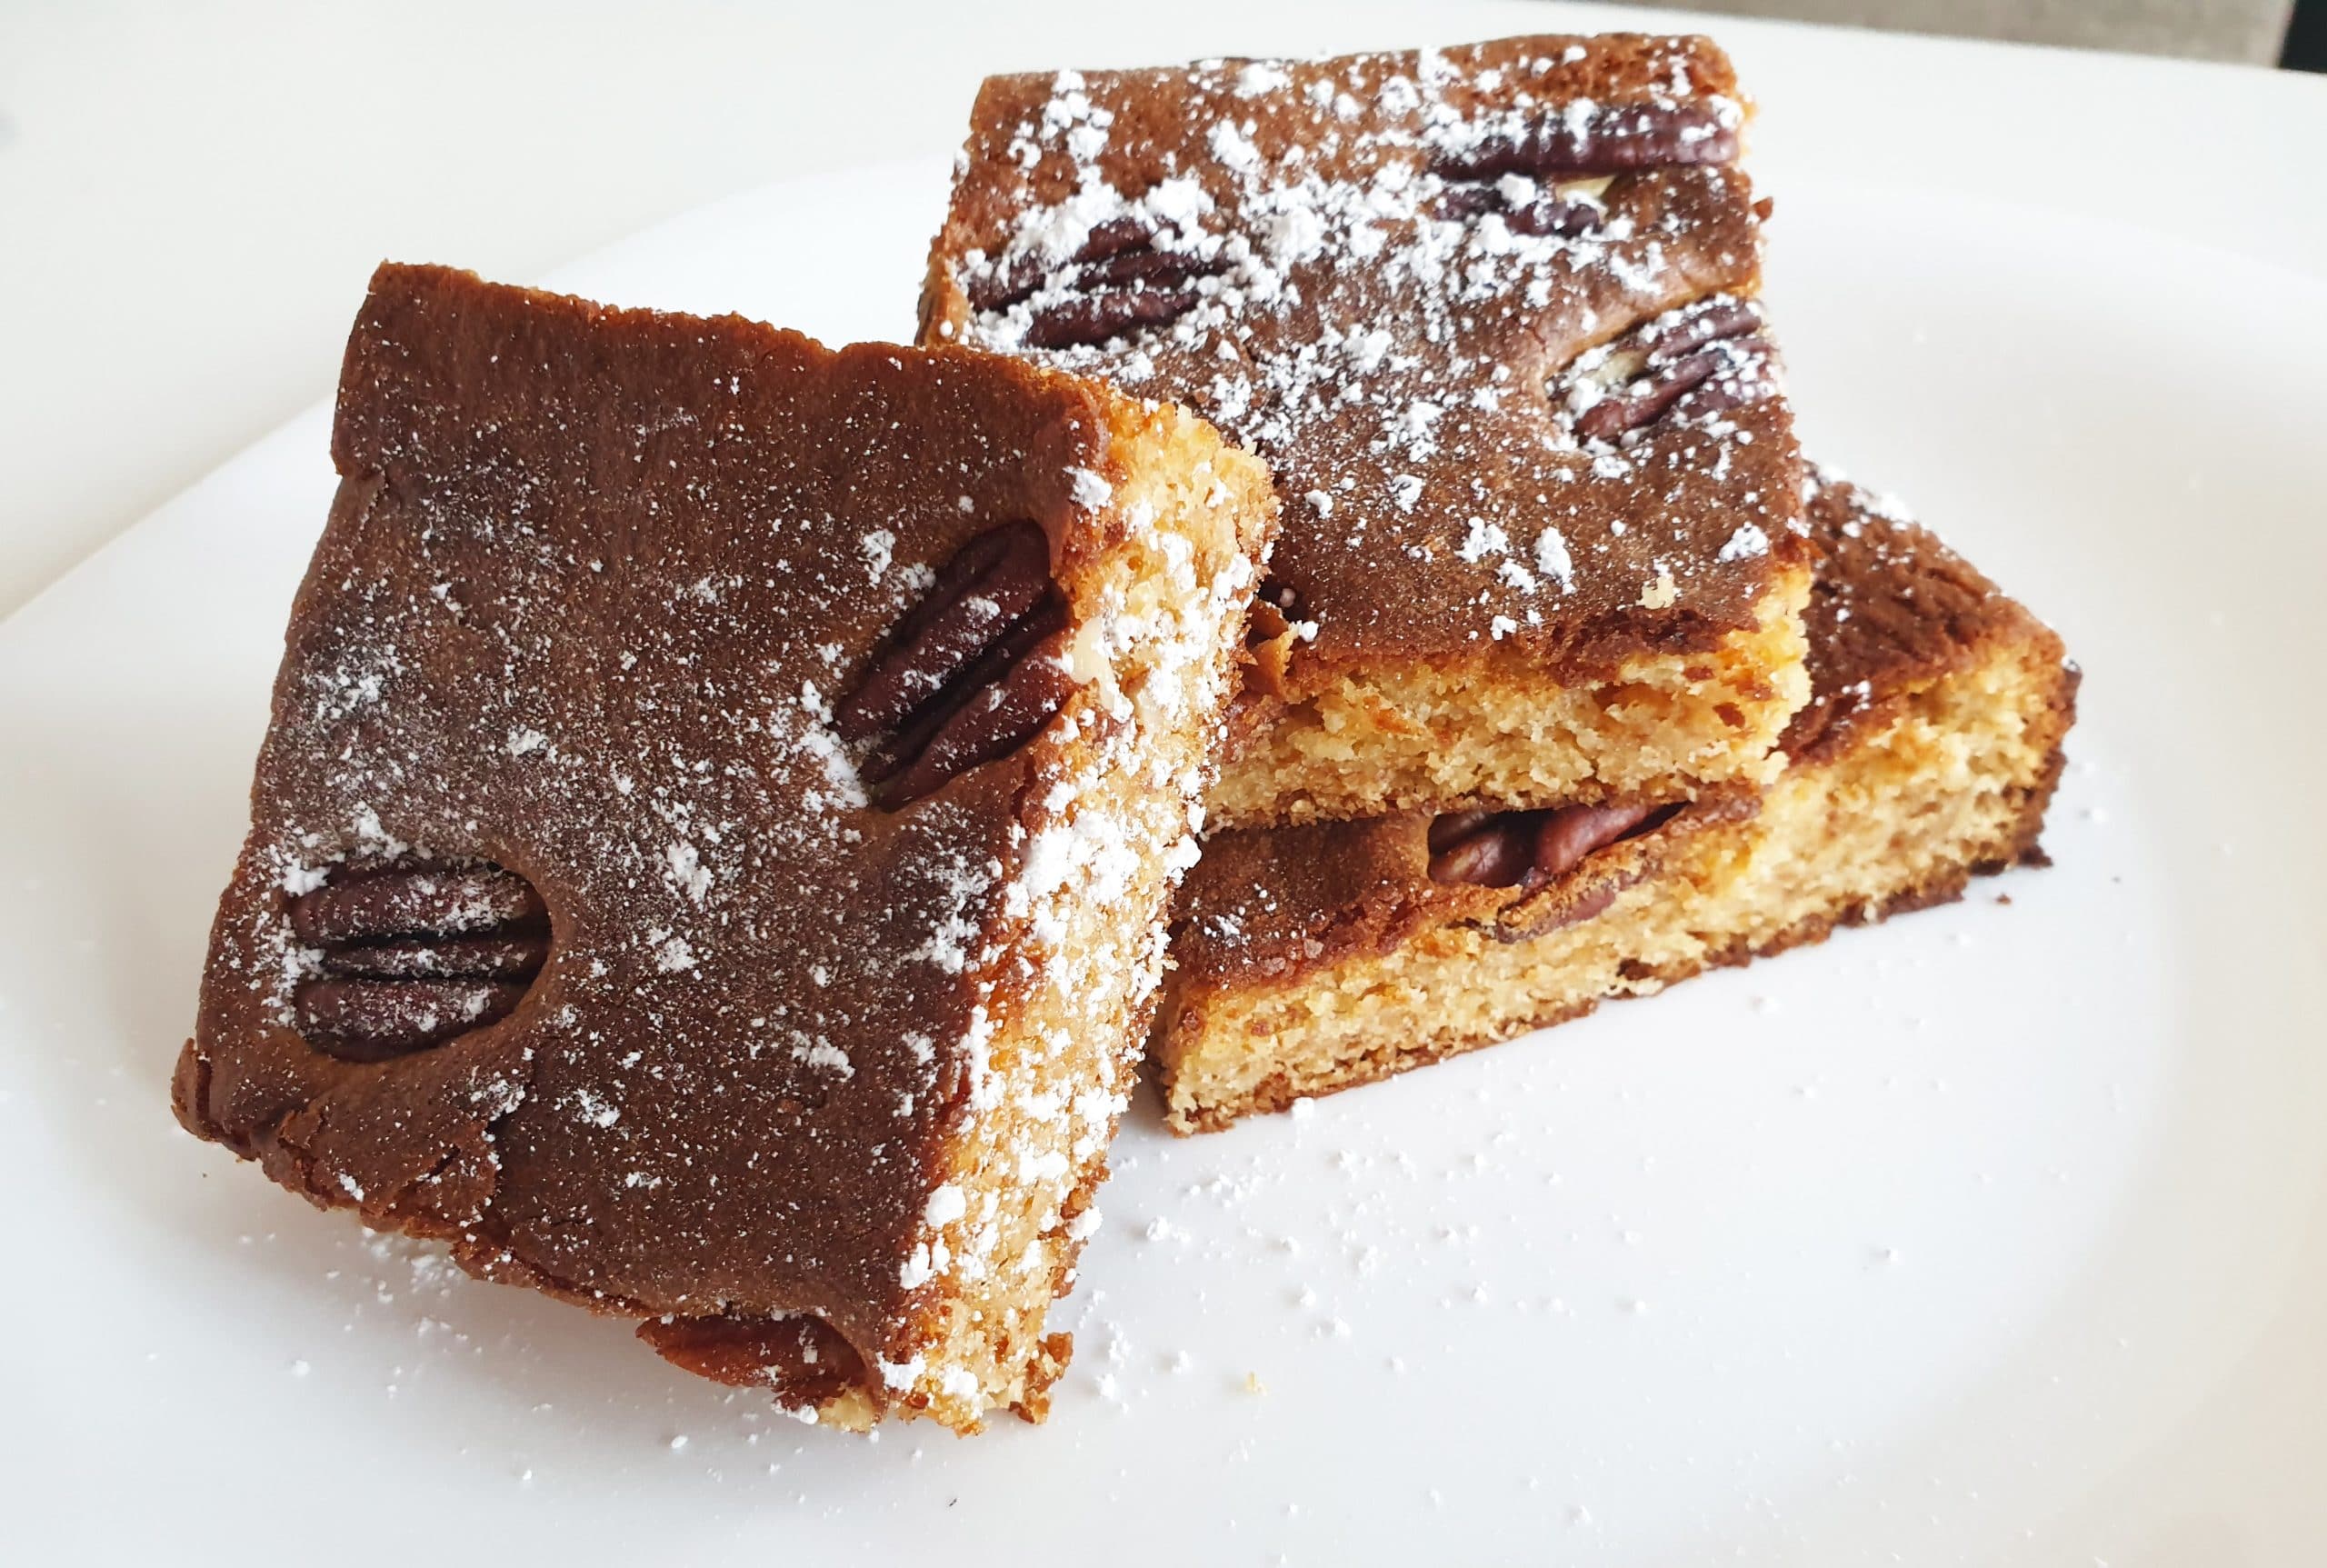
(1119, 281)
(1564, 212)
(414, 954)
(1617, 140)
(1529, 848)
(1699, 360)
(968, 676)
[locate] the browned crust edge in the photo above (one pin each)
(2022, 846)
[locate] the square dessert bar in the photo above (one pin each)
(708, 858)
(1317, 957)
(1488, 314)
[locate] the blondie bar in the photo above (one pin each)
(1489, 314)
(708, 858)
(1317, 957)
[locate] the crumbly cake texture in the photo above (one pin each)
(1318, 957)
(1488, 313)
(818, 1086)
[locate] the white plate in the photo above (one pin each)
(1993, 1235)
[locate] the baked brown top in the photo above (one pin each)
(1892, 610)
(571, 645)
(1484, 310)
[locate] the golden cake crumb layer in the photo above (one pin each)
(1489, 313)
(1317, 958)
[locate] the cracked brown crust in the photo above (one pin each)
(589, 584)
(1891, 610)
(1389, 581)
(1894, 615)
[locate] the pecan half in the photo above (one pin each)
(1702, 359)
(1000, 287)
(1616, 140)
(1120, 280)
(968, 675)
(1567, 835)
(1712, 320)
(1483, 848)
(1529, 848)
(1080, 320)
(416, 954)
(1541, 214)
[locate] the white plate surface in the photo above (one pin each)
(1995, 1235)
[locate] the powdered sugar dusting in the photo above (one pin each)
(1748, 542)
(1408, 343)
(608, 662)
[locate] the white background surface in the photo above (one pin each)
(191, 194)
(1997, 1235)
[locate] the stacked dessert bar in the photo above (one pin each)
(1568, 680)
(1314, 957)
(714, 857)
(1488, 315)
